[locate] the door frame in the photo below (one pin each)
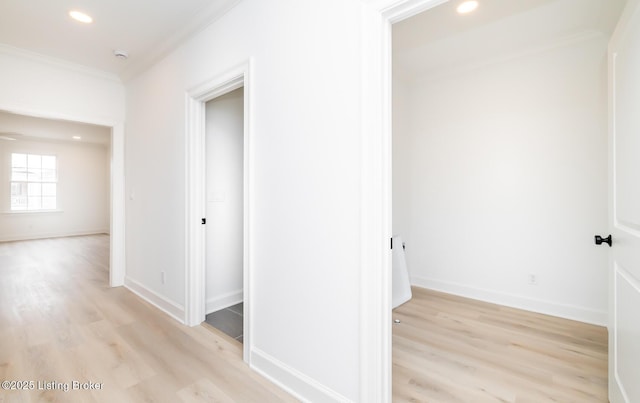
(195, 202)
(376, 193)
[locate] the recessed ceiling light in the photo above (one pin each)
(80, 16)
(467, 6)
(76, 138)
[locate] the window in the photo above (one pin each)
(33, 182)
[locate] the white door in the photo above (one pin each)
(624, 306)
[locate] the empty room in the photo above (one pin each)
(500, 180)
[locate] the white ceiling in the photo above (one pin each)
(434, 40)
(146, 29)
(20, 127)
(441, 40)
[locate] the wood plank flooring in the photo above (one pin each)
(60, 322)
(452, 349)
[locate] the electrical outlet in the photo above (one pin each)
(162, 277)
(532, 279)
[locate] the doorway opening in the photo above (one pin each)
(222, 200)
(473, 118)
(224, 165)
(85, 158)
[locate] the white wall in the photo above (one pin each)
(508, 167)
(402, 175)
(305, 148)
(36, 85)
(224, 176)
(83, 192)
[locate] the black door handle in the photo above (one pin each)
(600, 240)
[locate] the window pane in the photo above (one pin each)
(48, 189)
(49, 203)
(19, 161)
(34, 175)
(18, 203)
(18, 196)
(34, 203)
(34, 189)
(49, 162)
(19, 174)
(48, 175)
(19, 167)
(34, 161)
(18, 189)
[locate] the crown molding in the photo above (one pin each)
(447, 72)
(57, 63)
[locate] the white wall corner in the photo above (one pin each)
(296, 383)
(165, 305)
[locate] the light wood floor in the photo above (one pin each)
(60, 322)
(452, 349)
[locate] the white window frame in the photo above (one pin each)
(27, 181)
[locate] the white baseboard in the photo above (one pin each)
(580, 314)
(298, 384)
(169, 307)
(46, 235)
(223, 301)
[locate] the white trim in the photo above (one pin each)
(223, 301)
(628, 277)
(566, 311)
(628, 227)
(45, 114)
(375, 282)
(117, 271)
(623, 274)
(195, 210)
(296, 383)
(46, 235)
(57, 63)
(28, 212)
(376, 193)
(169, 307)
(490, 62)
(195, 304)
(397, 10)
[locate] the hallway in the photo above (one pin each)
(62, 323)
